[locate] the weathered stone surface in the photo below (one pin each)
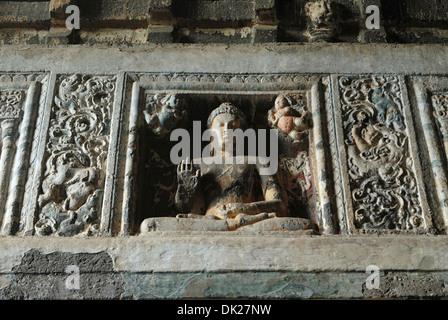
(160, 34)
(405, 102)
(234, 285)
(265, 34)
(42, 276)
(274, 251)
(13, 13)
(120, 10)
(401, 22)
(329, 268)
(401, 285)
(224, 10)
(225, 35)
(274, 58)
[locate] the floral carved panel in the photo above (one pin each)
(383, 184)
(76, 155)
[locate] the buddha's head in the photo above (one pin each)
(224, 118)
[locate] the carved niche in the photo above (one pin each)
(382, 179)
(161, 103)
(291, 116)
(75, 156)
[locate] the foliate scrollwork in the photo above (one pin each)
(440, 112)
(76, 155)
(382, 180)
(296, 180)
(10, 103)
(440, 105)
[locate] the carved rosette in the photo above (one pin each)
(76, 155)
(381, 175)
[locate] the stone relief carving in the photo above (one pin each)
(440, 105)
(323, 20)
(22, 95)
(228, 196)
(76, 156)
(296, 180)
(382, 179)
(163, 112)
(10, 114)
(291, 116)
(11, 103)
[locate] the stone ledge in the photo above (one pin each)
(255, 58)
(230, 252)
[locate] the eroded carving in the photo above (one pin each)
(76, 156)
(323, 20)
(440, 105)
(382, 179)
(163, 112)
(11, 103)
(290, 114)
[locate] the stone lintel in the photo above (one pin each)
(225, 252)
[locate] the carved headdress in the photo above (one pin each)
(227, 107)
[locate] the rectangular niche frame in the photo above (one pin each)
(247, 84)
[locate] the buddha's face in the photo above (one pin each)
(221, 126)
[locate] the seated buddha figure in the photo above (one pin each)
(227, 195)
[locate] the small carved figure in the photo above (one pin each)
(288, 119)
(221, 196)
(323, 20)
(163, 112)
(388, 110)
(69, 182)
